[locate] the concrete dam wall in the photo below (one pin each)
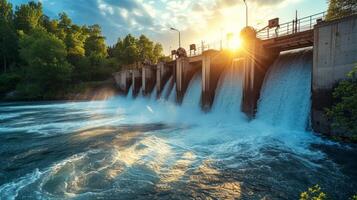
(332, 53)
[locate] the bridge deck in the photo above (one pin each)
(292, 41)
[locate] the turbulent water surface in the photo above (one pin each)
(153, 149)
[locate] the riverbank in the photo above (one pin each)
(85, 91)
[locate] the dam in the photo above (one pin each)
(333, 40)
(218, 124)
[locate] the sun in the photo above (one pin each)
(235, 43)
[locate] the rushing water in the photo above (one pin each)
(143, 149)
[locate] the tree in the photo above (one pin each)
(158, 55)
(8, 37)
(8, 44)
(344, 112)
(95, 44)
(28, 16)
(340, 8)
(48, 71)
(50, 25)
(6, 11)
(131, 50)
(126, 50)
(145, 47)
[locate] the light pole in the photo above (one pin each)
(246, 12)
(174, 29)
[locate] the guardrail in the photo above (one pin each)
(287, 28)
(294, 26)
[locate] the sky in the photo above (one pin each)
(198, 20)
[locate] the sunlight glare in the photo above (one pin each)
(235, 43)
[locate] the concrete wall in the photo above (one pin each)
(335, 54)
(123, 80)
(136, 81)
(163, 73)
(184, 73)
(148, 79)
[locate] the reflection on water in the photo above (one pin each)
(119, 149)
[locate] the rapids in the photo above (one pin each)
(126, 148)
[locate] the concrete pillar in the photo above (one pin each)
(164, 72)
(335, 54)
(182, 67)
(257, 60)
(213, 64)
(123, 81)
(159, 76)
(148, 79)
(206, 69)
(252, 83)
(136, 81)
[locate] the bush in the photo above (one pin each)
(47, 71)
(8, 82)
(313, 193)
(344, 111)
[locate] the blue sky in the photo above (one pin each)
(198, 20)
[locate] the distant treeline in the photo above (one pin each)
(43, 58)
(341, 8)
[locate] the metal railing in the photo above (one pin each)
(288, 28)
(292, 27)
(213, 45)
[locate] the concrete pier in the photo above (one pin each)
(148, 79)
(136, 81)
(257, 60)
(123, 80)
(185, 70)
(213, 64)
(163, 73)
(335, 54)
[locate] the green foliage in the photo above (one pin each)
(344, 112)
(5, 11)
(126, 50)
(341, 8)
(354, 197)
(8, 44)
(8, 82)
(53, 54)
(8, 37)
(28, 16)
(131, 50)
(47, 70)
(95, 43)
(313, 193)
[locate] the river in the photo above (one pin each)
(124, 149)
(145, 148)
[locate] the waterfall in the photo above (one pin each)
(153, 94)
(130, 92)
(229, 90)
(285, 96)
(192, 97)
(165, 91)
(172, 96)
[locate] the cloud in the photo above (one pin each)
(198, 20)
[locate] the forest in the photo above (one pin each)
(45, 59)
